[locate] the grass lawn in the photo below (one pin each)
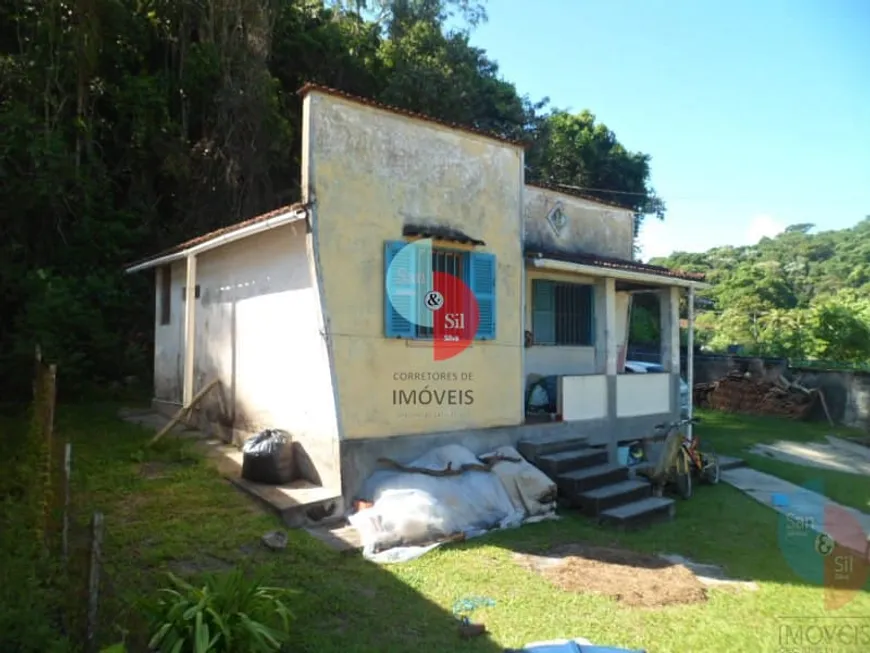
(171, 511)
(734, 435)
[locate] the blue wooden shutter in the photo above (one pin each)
(543, 312)
(401, 279)
(481, 280)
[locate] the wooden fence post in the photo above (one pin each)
(67, 472)
(94, 581)
(49, 395)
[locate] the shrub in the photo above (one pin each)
(229, 613)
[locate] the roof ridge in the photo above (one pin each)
(328, 90)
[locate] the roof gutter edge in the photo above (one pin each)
(616, 273)
(265, 225)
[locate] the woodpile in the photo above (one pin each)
(740, 393)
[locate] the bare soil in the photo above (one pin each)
(634, 579)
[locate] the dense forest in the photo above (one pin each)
(801, 295)
(128, 125)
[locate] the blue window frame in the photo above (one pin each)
(562, 313)
(410, 279)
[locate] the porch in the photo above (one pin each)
(578, 311)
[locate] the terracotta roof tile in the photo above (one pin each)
(326, 90)
(574, 193)
(217, 233)
(439, 232)
(615, 264)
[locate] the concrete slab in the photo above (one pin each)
(341, 537)
(730, 462)
(816, 454)
(297, 503)
(710, 575)
(847, 526)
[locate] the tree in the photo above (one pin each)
(576, 151)
(800, 295)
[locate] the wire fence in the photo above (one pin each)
(653, 355)
(49, 531)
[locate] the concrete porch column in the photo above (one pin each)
(189, 328)
(669, 304)
(606, 351)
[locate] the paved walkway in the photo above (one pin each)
(804, 507)
(835, 454)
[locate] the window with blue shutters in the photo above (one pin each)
(562, 313)
(410, 279)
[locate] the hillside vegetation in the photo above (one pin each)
(801, 295)
(129, 125)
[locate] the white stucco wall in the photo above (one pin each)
(258, 331)
(168, 374)
(643, 394)
(584, 397)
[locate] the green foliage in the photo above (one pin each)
(126, 127)
(799, 295)
(31, 600)
(229, 613)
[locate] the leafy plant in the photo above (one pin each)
(229, 613)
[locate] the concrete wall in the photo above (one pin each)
(168, 338)
(846, 393)
(642, 394)
(584, 397)
(370, 172)
(591, 228)
(257, 330)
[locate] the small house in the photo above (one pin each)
(314, 317)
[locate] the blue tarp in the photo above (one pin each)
(574, 647)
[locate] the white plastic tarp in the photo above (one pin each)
(412, 512)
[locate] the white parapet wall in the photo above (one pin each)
(643, 394)
(584, 397)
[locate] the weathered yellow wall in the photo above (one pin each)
(591, 227)
(369, 172)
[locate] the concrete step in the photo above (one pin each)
(338, 536)
(730, 462)
(594, 502)
(580, 480)
(638, 514)
(553, 464)
(531, 450)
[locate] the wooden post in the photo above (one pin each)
(48, 389)
(189, 329)
(67, 470)
(94, 581)
(690, 355)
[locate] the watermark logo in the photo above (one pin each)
(823, 543)
(435, 302)
(815, 634)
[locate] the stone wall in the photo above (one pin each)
(846, 393)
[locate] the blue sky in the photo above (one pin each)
(756, 113)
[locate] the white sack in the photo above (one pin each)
(416, 509)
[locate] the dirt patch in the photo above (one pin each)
(635, 579)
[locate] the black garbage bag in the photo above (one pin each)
(268, 458)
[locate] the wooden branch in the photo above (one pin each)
(184, 412)
(825, 407)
